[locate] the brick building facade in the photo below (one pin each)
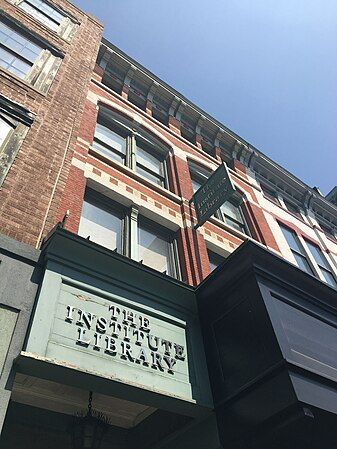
(96, 148)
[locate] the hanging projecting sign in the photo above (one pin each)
(214, 193)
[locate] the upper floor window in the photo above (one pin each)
(43, 12)
(292, 208)
(322, 264)
(6, 129)
(269, 193)
(111, 141)
(27, 57)
(118, 142)
(297, 250)
(157, 248)
(229, 212)
(318, 265)
(109, 224)
(328, 231)
(17, 52)
(150, 164)
(214, 259)
(15, 121)
(102, 222)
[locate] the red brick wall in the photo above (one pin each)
(42, 184)
(30, 195)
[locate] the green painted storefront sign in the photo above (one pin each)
(108, 322)
(110, 335)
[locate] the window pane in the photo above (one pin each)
(149, 160)
(153, 249)
(269, 193)
(292, 208)
(234, 224)
(291, 239)
(156, 179)
(196, 185)
(5, 129)
(17, 53)
(231, 211)
(108, 152)
(302, 263)
(214, 259)
(198, 175)
(329, 279)
(48, 10)
(38, 16)
(103, 226)
(318, 255)
(110, 138)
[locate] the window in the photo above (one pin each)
(214, 259)
(229, 212)
(109, 224)
(102, 222)
(110, 141)
(15, 121)
(6, 129)
(328, 231)
(297, 250)
(27, 57)
(157, 248)
(149, 164)
(269, 193)
(293, 209)
(118, 142)
(17, 53)
(322, 263)
(43, 12)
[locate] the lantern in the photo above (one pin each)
(88, 429)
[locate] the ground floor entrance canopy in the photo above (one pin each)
(245, 360)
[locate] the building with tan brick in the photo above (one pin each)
(182, 334)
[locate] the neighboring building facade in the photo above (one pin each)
(105, 282)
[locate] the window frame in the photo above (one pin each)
(317, 269)
(323, 264)
(217, 256)
(43, 13)
(49, 56)
(292, 208)
(171, 240)
(269, 193)
(65, 29)
(20, 119)
(299, 251)
(130, 223)
(160, 156)
(97, 199)
(108, 119)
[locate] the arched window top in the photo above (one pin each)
(115, 118)
(119, 139)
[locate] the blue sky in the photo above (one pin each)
(267, 69)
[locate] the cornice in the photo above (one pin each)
(306, 196)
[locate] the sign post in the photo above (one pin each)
(209, 197)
